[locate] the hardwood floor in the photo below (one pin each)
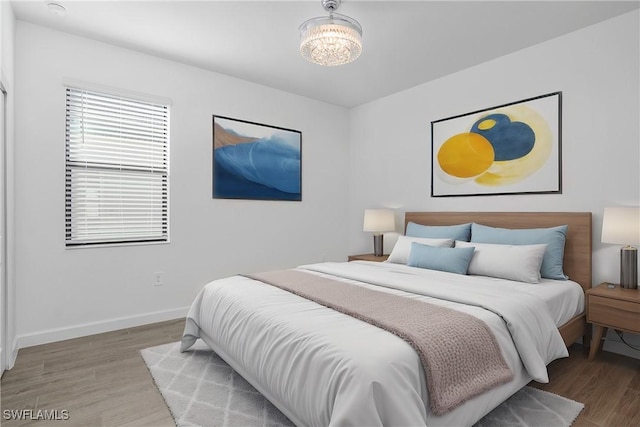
(101, 380)
(609, 387)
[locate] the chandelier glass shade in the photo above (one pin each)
(332, 40)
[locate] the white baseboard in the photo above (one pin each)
(11, 359)
(82, 330)
(11, 352)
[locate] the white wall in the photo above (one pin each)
(7, 42)
(597, 70)
(64, 293)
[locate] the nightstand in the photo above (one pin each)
(368, 257)
(616, 308)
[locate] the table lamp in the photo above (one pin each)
(378, 221)
(622, 226)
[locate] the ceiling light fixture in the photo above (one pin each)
(332, 40)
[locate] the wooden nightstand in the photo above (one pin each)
(368, 257)
(616, 308)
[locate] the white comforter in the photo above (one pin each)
(321, 367)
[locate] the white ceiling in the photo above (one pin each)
(406, 43)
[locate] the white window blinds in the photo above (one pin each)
(117, 169)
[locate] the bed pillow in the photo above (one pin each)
(455, 232)
(554, 237)
(402, 248)
(452, 260)
(513, 262)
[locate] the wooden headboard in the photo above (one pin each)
(577, 249)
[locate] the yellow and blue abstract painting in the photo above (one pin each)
(510, 149)
(255, 161)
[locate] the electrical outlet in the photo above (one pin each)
(158, 278)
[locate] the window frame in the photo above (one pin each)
(150, 173)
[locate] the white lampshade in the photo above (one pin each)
(621, 226)
(379, 220)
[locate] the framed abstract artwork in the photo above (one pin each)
(513, 148)
(255, 161)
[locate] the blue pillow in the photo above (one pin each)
(456, 232)
(554, 237)
(452, 260)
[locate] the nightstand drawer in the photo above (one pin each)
(614, 313)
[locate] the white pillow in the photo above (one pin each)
(402, 248)
(513, 262)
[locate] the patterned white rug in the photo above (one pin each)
(202, 390)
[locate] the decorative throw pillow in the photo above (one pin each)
(452, 260)
(455, 232)
(402, 248)
(513, 262)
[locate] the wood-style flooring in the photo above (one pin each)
(609, 387)
(101, 380)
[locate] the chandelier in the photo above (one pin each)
(332, 40)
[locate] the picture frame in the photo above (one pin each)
(255, 161)
(513, 148)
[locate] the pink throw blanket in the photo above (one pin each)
(459, 353)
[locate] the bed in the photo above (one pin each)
(577, 251)
(323, 367)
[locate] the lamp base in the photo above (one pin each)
(629, 267)
(377, 244)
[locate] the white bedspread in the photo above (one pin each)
(321, 367)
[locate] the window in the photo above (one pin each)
(117, 169)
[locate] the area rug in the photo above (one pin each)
(201, 390)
